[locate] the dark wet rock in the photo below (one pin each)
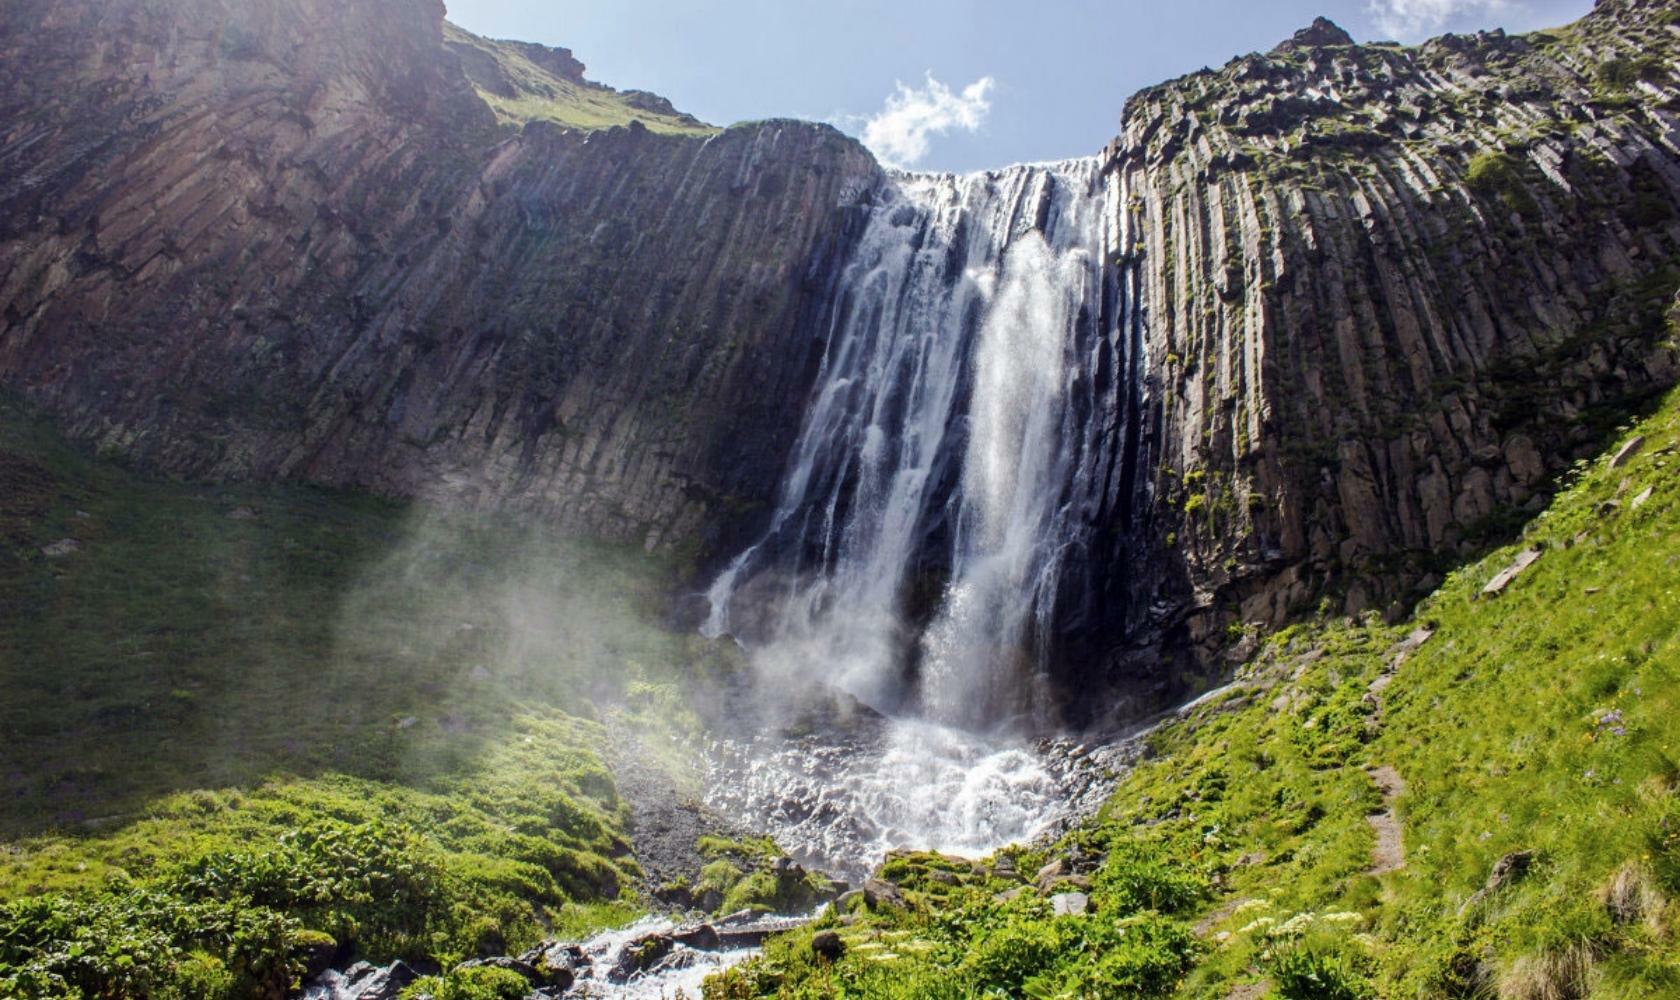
(316, 951)
(532, 974)
(557, 964)
(701, 936)
(361, 981)
(828, 946)
(641, 955)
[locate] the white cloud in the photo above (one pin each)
(900, 131)
(1413, 19)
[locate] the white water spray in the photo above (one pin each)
(936, 461)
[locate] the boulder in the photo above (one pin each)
(529, 971)
(1052, 873)
(1625, 453)
(879, 892)
(827, 946)
(1504, 577)
(641, 955)
(1506, 871)
(558, 965)
(701, 936)
(1070, 904)
(361, 981)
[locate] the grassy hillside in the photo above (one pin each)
(1482, 801)
(520, 89)
(236, 719)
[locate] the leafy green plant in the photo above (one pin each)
(479, 983)
(1317, 973)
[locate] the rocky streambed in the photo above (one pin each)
(651, 959)
(840, 791)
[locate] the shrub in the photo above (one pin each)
(1140, 877)
(1147, 958)
(481, 983)
(1006, 959)
(1321, 973)
(1497, 175)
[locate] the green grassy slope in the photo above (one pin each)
(520, 90)
(233, 715)
(1539, 725)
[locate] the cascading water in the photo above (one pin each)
(940, 451)
(943, 477)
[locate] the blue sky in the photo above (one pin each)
(948, 84)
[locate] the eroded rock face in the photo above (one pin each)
(1387, 294)
(1391, 294)
(284, 238)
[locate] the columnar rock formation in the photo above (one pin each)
(1389, 294)
(1392, 294)
(289, 239)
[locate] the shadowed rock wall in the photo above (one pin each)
(286, 239)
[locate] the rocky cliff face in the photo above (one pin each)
(1387, 295)
(1391, 295)
(288, 238)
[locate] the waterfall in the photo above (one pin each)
(941, 479)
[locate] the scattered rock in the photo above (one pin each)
(1625, 453)
(361, 981)
(60, 548)
(827, 945)
(1643, 498)
(641, 955)
(879, 892)
(1506, 871)
(242, 514)
(1503, 579)
(479, 673)
(406, 721)
(1052, 873)
(1011, 895)
(316, 951)
(519, 965)
(558, 963)
(738, 918)
(944, 877)
(1070, 904)
(701, 936)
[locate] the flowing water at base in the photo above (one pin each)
(839, 801)
(678, 975)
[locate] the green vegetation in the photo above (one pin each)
(519, 91)
(471, 984)
(752, 874)
(1620, 74)
(244, 726)
(1523, 745)
(1499, 175)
